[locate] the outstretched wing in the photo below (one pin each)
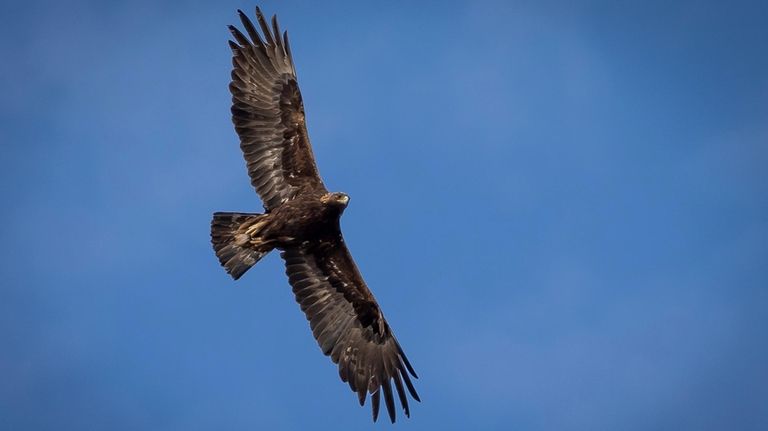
(348, 324)
(268, 113)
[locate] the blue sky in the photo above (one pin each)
(562, 208)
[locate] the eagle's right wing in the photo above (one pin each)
(268, 113)
(347, 323)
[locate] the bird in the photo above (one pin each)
(301, 220)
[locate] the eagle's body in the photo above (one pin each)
(302, 221)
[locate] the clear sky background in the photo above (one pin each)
(562, 208)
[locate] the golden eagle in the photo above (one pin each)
(302, 221)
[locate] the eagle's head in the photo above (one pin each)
(337, 199)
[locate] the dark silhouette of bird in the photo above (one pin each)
(301, 220)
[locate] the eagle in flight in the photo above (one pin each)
(301, 220)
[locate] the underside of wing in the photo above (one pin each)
(268, 113)
(347, 323)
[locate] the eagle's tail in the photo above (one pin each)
(235, 239)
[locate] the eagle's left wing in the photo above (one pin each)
(347, 323)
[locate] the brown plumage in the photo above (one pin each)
(302, 221)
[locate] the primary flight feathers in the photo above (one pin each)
(302, 221)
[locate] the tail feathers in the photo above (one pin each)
(231, 236)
